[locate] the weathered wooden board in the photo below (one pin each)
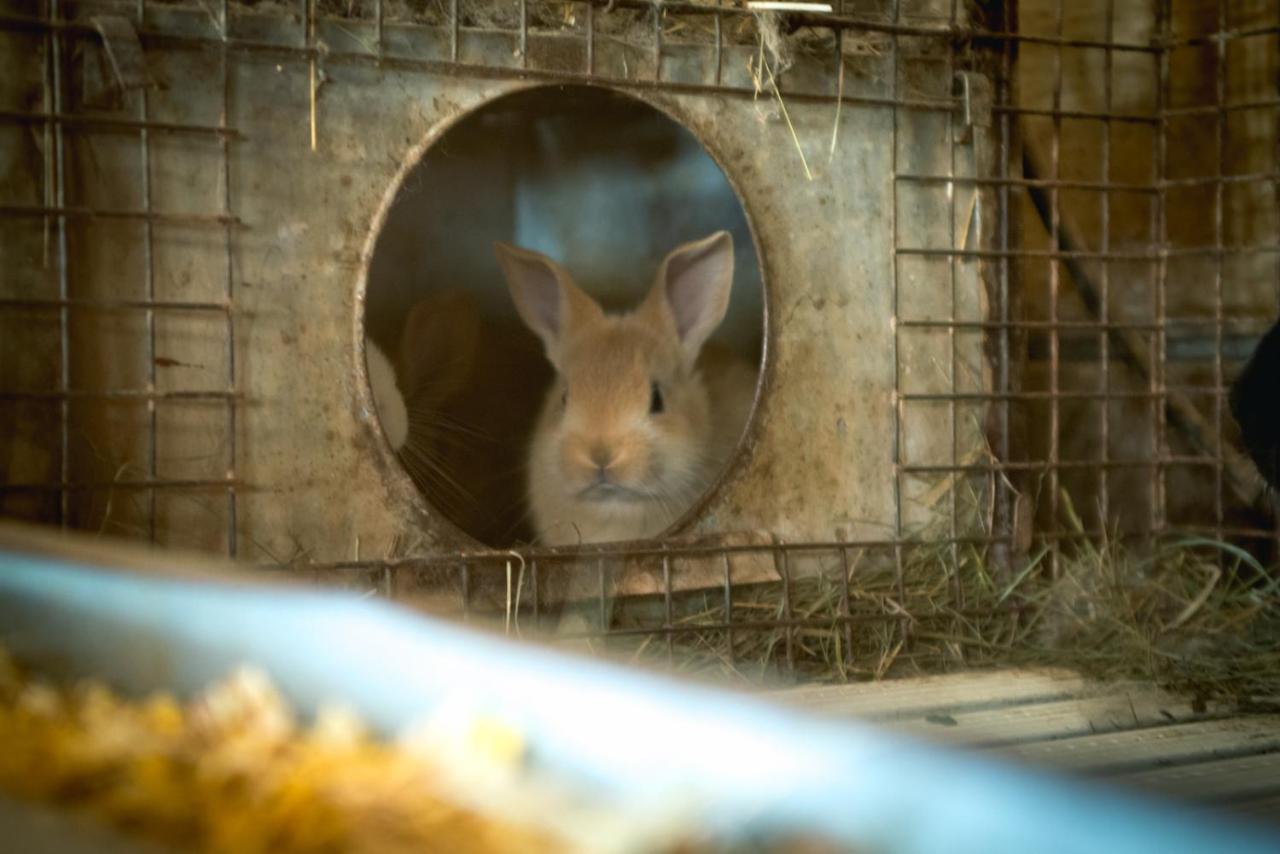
(1137, 750)
(1132, 733)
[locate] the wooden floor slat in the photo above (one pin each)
(1130, 709)
(1245, 777)
(1162, 745)
(904, 698)
(1134, 734)
(1263, 810)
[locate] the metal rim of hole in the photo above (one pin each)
(450, 532)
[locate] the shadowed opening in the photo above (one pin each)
(605, 186)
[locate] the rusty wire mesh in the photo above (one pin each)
(1132, 197)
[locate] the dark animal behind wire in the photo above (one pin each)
(1255, 404)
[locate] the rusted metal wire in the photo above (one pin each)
(1013, 336)
(113, 123)
(64, 212)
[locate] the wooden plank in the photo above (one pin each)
(1134, 733)
(1161, 745)
(1126, 709)
(917, 697)
(1221, 780)
(1264, 809)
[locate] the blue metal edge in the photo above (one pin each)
(748, 767)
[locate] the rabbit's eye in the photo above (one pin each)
(655, 400)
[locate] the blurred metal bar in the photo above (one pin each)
(1219, 180)
(719, 32)
(54, 96)
(454, 27)
(1104, 302)
(1275, 167)
(37, 23)
(149, 288)
(603, 613)
(1074, 325)
(1211, 38)
(1156, 350)
(141, 395)
(1220, 121)
(1059, 465)
(536, 594)
(591, 40)
(464, 573)
(228, 235)
(984, 37)
(668, 621)
(730, 653)
(657, 11)
(1212, 251)
(110, 123)
(784, 571)
(791, 624)
(309, 41)
(903, 626)
(1214, 109)
(143, 484)
(844, 613)
(1030, 395)
(333, 56)
(882, 547)
(1046, 254)
(1006, 378)
(110, 305)
(957, 595)
(1053, 224)
(64, 211)
(896, 308)
(822, 20)
(1007, 181)
(524, 34)
(1057, 112)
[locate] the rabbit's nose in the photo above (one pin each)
(602, 456)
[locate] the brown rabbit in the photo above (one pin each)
(472, 387)
(432, 364)
(631, 432)
(437, 350)
(387, 400)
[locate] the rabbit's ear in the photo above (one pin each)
(438, 345)
(545, 296)
(693, 289)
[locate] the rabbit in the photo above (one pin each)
(457, 414)
(387, 399)
(1255, 405)
(432, 364)
(471, 417)
(436, 354)
(635, 425)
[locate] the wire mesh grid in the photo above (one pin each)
(1109, 248)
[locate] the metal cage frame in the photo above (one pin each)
(989, 42)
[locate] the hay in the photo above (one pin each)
(1189, 613)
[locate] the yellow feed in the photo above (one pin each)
(234, 771)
